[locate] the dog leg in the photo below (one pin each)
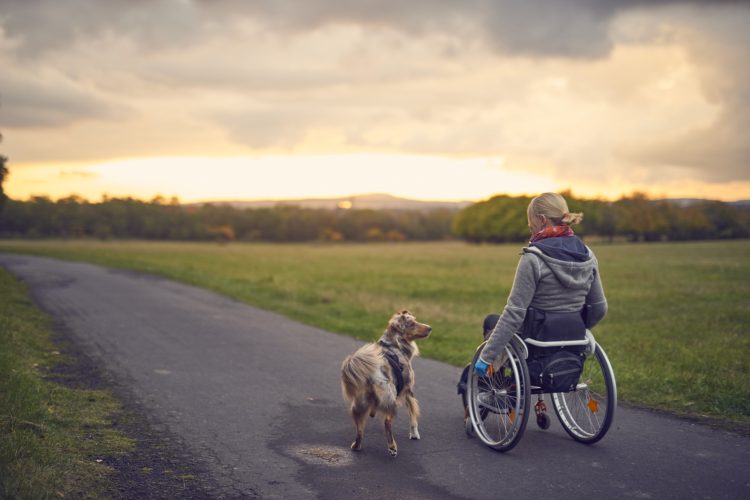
(359, 415)
(412, 405)
(392, 448)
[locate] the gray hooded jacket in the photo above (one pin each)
(563, 283)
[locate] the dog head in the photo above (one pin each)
(404, 327)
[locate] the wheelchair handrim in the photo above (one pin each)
(500, 427)
(587, 413)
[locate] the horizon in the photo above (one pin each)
(445, 101)
(121, 179)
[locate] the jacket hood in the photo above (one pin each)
(567, 248)
(568, 258)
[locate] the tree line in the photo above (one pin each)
(634, 217)
(160, 219)
(497, 220)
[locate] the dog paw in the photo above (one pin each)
(393, 451)
(414, 435)
(356, 446)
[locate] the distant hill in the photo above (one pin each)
(363, 201)
(686, 202)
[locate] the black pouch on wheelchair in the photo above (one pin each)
(555, 369)
(555, 372)
(552, 326)
(561, 371)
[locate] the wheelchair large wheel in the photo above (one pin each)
(587, 413)
(499, 404)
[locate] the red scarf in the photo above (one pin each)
(552, 232)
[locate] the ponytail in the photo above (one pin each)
(572, 218)
(554, 207)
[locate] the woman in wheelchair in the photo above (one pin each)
(541, 342)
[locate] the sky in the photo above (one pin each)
(425, 99)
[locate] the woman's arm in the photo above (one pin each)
(595, 299)
(521, 295)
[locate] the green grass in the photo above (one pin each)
(51, 436)
(676, 333)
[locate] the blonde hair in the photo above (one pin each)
(553, 207)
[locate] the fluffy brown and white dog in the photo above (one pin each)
(379, 377)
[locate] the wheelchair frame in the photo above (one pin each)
(499, 404)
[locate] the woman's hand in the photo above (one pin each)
(487, 369)
(480, 368)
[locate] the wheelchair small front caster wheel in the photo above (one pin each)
(468, 428)
(543, 421)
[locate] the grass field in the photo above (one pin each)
(676, 332)
(54, 439)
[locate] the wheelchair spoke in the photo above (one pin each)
(498, 403)
(587, 413)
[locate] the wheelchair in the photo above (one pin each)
(499, 404)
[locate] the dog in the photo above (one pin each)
(379, 376)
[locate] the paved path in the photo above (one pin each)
(256, 397)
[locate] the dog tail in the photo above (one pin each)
(357, 372)
(360, 373)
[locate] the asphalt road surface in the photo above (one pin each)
(256, 398)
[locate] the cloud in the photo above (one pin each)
(551, 86)
(47, 101)
(78, 174)
(719, 151)
(716, 154)
(537, 28)
(575, 28)
(41, 26)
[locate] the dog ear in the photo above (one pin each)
(393, 323)
(394, 330)
(405, 312)
(397, 324)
